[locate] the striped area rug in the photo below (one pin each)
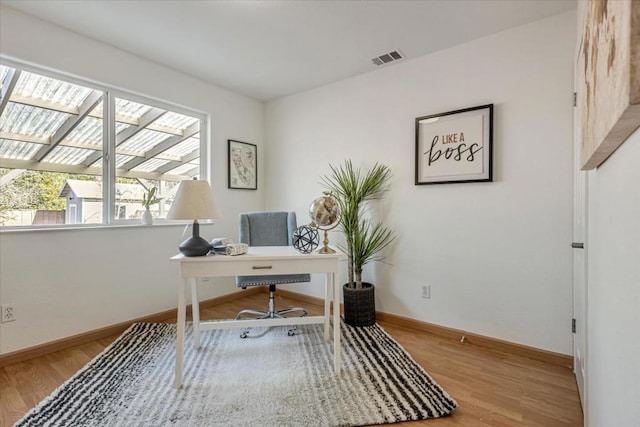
(267, 379)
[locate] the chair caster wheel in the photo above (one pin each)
(291, 332)
(244, 335)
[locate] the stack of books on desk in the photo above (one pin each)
(229, 248)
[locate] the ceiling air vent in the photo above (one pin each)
(387, 57)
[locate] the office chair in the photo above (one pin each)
(269, 229)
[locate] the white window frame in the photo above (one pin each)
(110, 93)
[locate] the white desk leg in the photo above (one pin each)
(327, 305)
(180, 333)
(336, 323)
(195, 312)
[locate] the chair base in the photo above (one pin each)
(271, 313)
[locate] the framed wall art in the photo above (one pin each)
(608, 78)
(243, 165)
(455, 146)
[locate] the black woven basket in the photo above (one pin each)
(360, 305)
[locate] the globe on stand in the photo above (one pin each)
(325, 215)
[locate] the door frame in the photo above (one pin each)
(580, 235)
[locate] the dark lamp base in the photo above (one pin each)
(195, 245)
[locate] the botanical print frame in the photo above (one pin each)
(243, 165)
(609, 78)
(455, 146)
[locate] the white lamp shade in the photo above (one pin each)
(194, 200)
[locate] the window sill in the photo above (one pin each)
(79, 227)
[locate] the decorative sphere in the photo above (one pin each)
(305, 239)
(325, 211)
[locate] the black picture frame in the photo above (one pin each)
(242, 165)
(455, 146)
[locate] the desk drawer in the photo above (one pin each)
(248, 266)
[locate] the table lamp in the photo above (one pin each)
(194, 200)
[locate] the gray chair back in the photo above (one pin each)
(267, 228)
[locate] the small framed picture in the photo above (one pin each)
(455, 146)
(243, 165)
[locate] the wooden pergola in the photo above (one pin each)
(52, 125)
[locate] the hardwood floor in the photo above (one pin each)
(493, 388)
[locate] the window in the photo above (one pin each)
(54, 134)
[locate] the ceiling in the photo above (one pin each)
(270, 49)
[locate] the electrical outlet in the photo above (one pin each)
(426, 291)
(8, 314)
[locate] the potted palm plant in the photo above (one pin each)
(365, 239)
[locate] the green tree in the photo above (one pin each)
(36, 190)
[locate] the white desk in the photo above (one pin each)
(259, 261)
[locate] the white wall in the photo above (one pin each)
(496, 255)
(613, 285)
(613, 318)
(507, 258)
(67, 282)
